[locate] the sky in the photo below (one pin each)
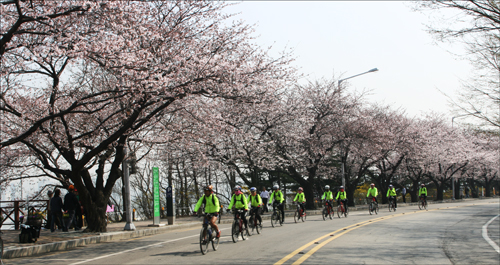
(345, 38)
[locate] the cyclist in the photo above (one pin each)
(211, 206)
(255, 202)
(372, 192)
(391, 195)
(341, 197)
(422, 193)
(277, 195)
(328, 196)
(239, 200)
(300, 198)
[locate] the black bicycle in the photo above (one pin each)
(392, 206)
(208, 235)
(422, 204)
(276, 216)
(237, 227)
(253, 223)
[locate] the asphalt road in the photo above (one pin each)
(448, 233)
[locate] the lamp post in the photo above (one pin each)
(340, 81)
(452, 118)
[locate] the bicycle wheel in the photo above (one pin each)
(235, 231)
(376, 208)
(204, 241)
(244, 231)
(390, 207)
(331, 213)
(274, 219)
(215, 243)
(370, 208)
(257, 226)
(346, 211)
(296, 216)
(425, 205)
(339, 212)
(280, 219)
(420, 205)
(303, 217)
(325, 213)
(251, 224)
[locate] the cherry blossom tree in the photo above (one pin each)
(139, 59)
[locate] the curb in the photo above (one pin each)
(115, 236)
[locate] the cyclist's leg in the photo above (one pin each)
(257, 215)
(395, 202)
(281, 207)
(213, 224)
(345, 203)
(244, 218)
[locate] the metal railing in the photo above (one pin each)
(15, 209)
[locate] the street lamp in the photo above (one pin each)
(452, 118)
(369, 71)
(340, 81)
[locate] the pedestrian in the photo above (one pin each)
(70, 205)
(56, 210)
(78, 211)
(49, 214)
(403, 192)
(264, 195)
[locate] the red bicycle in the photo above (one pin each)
(342, 210)
(237, 227)
(299, 214)
(373, 206)
(327, 211)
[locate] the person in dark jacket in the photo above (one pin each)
(71, 204)
(56, 210)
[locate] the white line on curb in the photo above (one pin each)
(487, 238)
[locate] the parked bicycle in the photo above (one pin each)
(237, 228)
(253, 223)
(208, 234)
(342, 210)
(276, 215)
(392, 206)
(299, 214)
(328, 210)
(422, 204)
(373, 207)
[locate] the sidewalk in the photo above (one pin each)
(57, 241)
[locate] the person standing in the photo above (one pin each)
(264, 195)
(49, 214)
(70, 205)
(56, 209)
(403, 192)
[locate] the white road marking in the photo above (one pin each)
(487, 238)
(128, 250)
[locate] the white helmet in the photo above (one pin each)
(276, 187)
(327, 187)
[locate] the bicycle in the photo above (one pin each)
(392, 207)
(299, 214)
(373, 206)
(253, 222)
(422, 204)
(276, 216)
(208, 235)
(342, 210)
(327, 211)
(237, 227)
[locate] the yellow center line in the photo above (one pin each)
(346, 230)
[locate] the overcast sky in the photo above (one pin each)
(347, 38)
